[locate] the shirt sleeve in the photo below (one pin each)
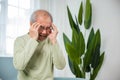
(23, 52)
(57, 55)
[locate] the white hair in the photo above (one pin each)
(35, 15)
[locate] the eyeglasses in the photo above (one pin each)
(48, 29)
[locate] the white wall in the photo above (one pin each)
(106, 17)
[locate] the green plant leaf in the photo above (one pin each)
(71, 21)
(96, 50)
(78, 42)
(80, 14)
(97, 39)
(73, 68)
(78, 72)
(95, 42)
(89, 52)
(83, 58)
(72, 53)
(67, 43)
(77, 25)
(96, 70)
(75, 37)
(87, 59)
(81, 44)
(90, 37)
(88, 14)
(66, 40)
(71, 65)
(95, 57)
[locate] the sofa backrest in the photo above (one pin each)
(7, 70)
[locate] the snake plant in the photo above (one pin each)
(84, 54)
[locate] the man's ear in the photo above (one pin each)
(31, 23)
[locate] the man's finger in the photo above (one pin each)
(38, 26)
(33, 24)
(54, 27)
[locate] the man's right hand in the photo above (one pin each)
(33, 31)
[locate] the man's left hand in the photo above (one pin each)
(53, 34)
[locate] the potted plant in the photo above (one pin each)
(84, 54)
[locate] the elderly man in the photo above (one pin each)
(37, 52)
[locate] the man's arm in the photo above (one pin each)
(23, 52)
(57, 55)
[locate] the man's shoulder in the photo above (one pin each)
(21, 40)
(23, 37)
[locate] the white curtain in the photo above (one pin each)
(14, 21)
(2, 27)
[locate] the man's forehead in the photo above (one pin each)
(43, 14)
(42, 19)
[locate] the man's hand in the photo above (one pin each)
(53, 34)
(33, 31)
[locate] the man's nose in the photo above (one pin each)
(44, 31)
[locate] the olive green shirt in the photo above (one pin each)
(35, 60)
